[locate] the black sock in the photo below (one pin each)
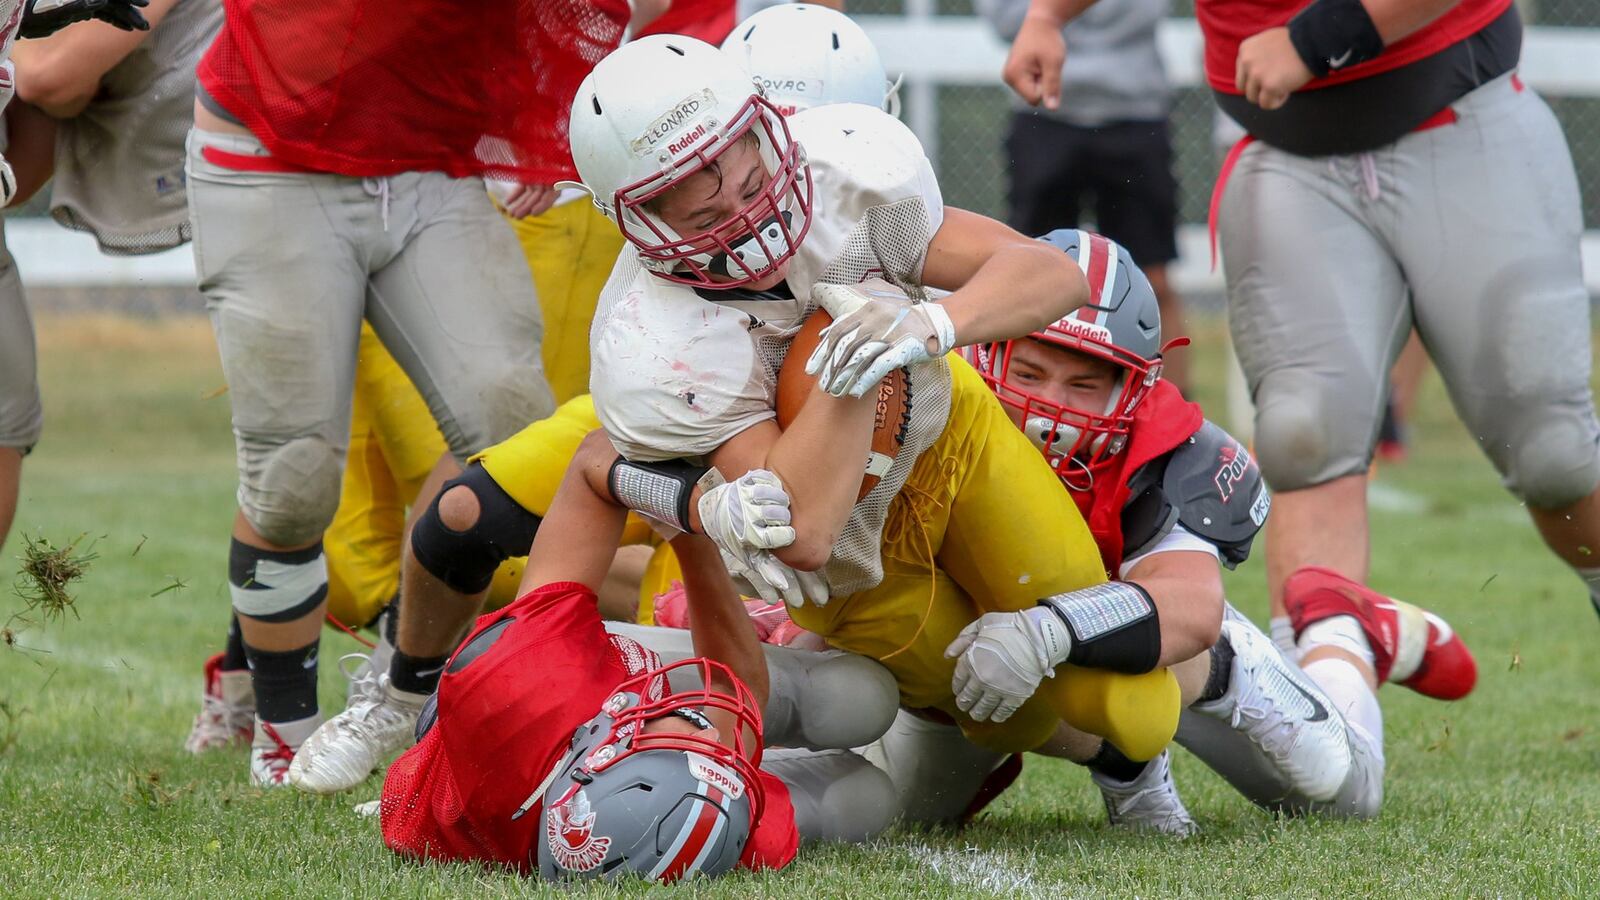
(388, 621)
(1221, 671)
(233, 657)
(1110, 762)
(416, 674)
(285, 683)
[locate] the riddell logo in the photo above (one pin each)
(1087, 330)
(687, 141)
(716, 775)
(569, 831)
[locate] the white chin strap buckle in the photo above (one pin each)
(750, 251)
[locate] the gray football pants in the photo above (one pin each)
(291, 263)
(21, 414)
(1468, 231)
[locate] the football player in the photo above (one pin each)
(21, 413)
(553, 747)
(1170, 499)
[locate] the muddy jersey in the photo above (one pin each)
(119, 163)
(675, 373)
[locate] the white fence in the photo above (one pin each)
(929, 51)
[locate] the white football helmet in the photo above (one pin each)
(805, 55)
(662, 108)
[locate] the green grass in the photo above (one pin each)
(1495, 795)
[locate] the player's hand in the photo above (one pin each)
(774, 580)
(43, 18)
(1033, 67)
(1270, 69)
(1003, 657)
(750, 512)
(875, 330)
(8, 183)
(526, 200)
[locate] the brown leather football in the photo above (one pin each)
(894, 402)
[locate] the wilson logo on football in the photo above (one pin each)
(569, 830)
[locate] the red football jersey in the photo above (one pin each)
(1227, 23)
(367, 88)
(708, 20)
(507, 719)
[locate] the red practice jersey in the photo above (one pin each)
(1227, 23)
(367, 88)
(507, 719)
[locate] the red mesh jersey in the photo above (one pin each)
(708, 20)
(364, 88)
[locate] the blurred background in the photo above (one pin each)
(952, 97)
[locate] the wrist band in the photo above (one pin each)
(1333, 34)
(660, 490)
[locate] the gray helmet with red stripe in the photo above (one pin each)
(1121, 324)
(624, 801)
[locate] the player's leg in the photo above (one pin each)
(571, 249)
(286, 314)
(1047, 175)
(837, 795)
(1015, 536)
(1138, 208)
(479, 519)
(21, 413)
(1510, 328)
(1318, 311)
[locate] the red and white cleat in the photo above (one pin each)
(1410, 646)
(273, 750)
(227, 714)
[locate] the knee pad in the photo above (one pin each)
(466, 560)
(295, 493)
(1301, 442)
(1553, 464)
(852, 700)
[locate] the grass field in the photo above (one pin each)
(1496, 795)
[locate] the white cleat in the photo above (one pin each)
(1147, 803)
(348, 747)
(273, 750)
(227, 715)
(1284, 714)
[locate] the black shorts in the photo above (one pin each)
(1123, 171)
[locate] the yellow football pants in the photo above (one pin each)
(983, 525)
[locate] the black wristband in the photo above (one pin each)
(661, 490)
(1333, 34)
(1114, 626)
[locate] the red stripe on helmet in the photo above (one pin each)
(1099, 266)
(700, 827)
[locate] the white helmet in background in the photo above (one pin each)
(805, 55)
(662, 108)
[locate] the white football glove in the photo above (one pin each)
(774, 580)
(1004, 656)
(748, 518)
(875, 330)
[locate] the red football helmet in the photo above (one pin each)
(1121, 324)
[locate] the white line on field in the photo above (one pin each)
(972, 869)
(1388, 498)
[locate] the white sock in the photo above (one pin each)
(1591, 577)
(1341, 632)
(1283, 637)
(1347, 688)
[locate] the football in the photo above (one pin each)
(894, 401)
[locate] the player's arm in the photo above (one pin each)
(61, 73)
(1003, 284)
(812, 458)
(31, 148)
(1186, 588)
(1322, 37)
(581, 530)
(1033, 67)
(719, 624)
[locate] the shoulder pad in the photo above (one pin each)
(1217, 489)
(1147, 517)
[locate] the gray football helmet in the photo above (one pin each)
(660, 805)
(1121, 324)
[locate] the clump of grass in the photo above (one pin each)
(10, 725)
(47, 576)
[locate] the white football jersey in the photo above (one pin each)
(674, 374)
